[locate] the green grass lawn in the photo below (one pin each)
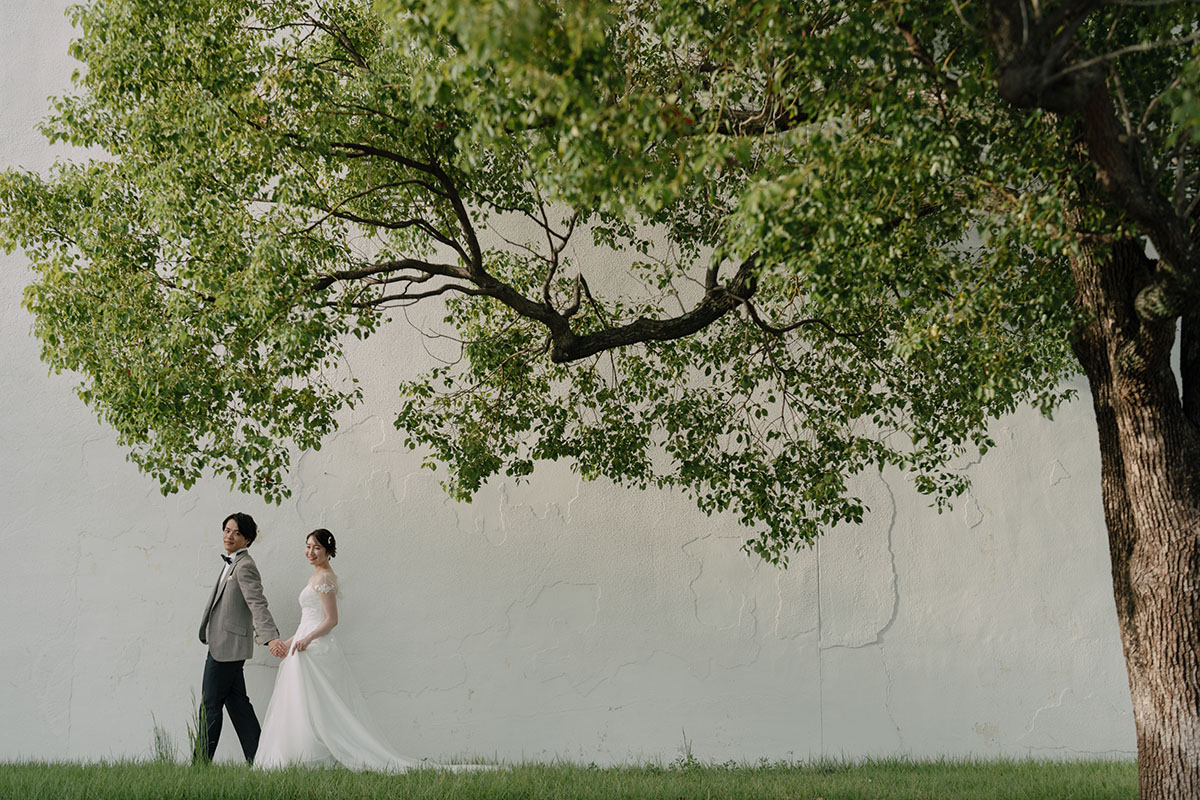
(887, 779)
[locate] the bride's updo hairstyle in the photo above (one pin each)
(326, 540)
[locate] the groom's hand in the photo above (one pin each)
(277, 649)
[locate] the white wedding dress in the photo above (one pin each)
(317, 714)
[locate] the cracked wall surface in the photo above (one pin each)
(554, 619)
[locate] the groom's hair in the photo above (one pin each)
(246, 526)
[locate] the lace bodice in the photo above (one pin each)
(311, 610)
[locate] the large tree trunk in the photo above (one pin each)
(1150, 475)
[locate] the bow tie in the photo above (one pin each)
(228, 560)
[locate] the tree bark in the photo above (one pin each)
(1150, 478)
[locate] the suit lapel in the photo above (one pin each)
(212, 601)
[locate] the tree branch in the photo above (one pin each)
(420, 224)
(567, 346)
(379, 152)
(1028, 49)
(780, 330)
(1176, 284)
(333, 210)
(407, 298)
(387, 268)
(741, 122)
(1030, 76)
(1136, 48)
(336, 31)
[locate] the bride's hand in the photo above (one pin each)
(302, 644)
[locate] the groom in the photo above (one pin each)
(236, 602)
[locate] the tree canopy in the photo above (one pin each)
(746, 249)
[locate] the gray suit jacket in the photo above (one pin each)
(235, 604)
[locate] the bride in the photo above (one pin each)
(317, 715)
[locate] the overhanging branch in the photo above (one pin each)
(568, 346)
(387, 268)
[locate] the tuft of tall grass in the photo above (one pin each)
(885, 779)
(164, 744)
(197, 733)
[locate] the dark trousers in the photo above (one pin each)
(224, 687)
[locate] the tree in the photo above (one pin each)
(744, 249)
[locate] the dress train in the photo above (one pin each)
(318, 715)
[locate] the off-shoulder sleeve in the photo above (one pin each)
(326, 583)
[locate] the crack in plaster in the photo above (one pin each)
(466, 676)
(1057, 702)
(580, 686)
(637, 662)
(408, 478)
(895, 613)
(306, 494)
(966, 464)
(190, 508)
(377, 482)
(820, 661)
(385, 433)
(70, 704)
(549, 508)
(462, 639)
(694, 669)
(779, 612)
(748, 606)
(506, 509)
(572, 501)
(879, 634)
(1005, 432)
(752, 613)
(74, 631)
(502, 526)
(131, 655)
(972, 514)
(1075, 751)
(539, 715)
(887, 697)
(557, 645)
(895, 585)
(747, 612)
(1058, 473)
(891, 562)
(152, 490)
(699, 562)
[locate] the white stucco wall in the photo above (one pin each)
(556, 619)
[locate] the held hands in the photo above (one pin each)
(280, 649)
